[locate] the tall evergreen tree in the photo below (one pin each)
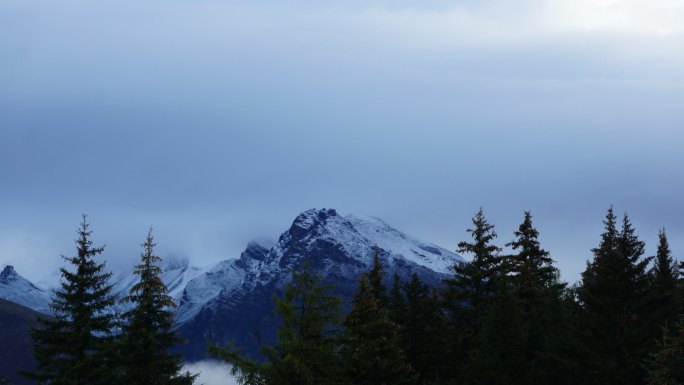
(535, 282)
(474, 282)
(147, 331)
(680, 281)
(76, 347)
(306, 352)
(665, 299)
(371, 353)
(613, 296)
(397, 303)
(469, 292)
(531, 267)
(376, 277)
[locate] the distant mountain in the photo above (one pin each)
(15, 341)
(21, 302)
(18, 289)
(176, 273)
(233, 302)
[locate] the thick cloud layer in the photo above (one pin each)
(219, 121)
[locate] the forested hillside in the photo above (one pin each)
(502, 317)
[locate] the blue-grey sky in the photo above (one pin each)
(218, 121)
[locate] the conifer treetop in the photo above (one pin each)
(483, 234)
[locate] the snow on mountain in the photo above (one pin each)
(176, 273)
(353, 239)
(177, 276)
(349, 242)
(18, 289)
(234, 299)
(360, 235)
(225, 278)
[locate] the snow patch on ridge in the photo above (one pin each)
(176, 273)
(402, 246)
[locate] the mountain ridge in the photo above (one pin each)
(232, 301)
(17, 289)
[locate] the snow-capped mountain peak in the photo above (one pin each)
(359, 237)
(231, 299)
(15, 288)
(225, 278)
(234, 298)
(8, 274)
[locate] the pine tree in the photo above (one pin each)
(613, 296)
(371, 353)
(535, 282)
(532, 267)
(397, 303)
(147, 331)
(474, 282)
(76, 347)
(468, 294)
(667, 365)
(306, 352)
(665, 300)
(680, 286)
(376, 276)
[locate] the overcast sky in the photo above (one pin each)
(219, 121)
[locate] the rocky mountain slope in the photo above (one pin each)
(176, 273)
(233, 301)
(18, 289)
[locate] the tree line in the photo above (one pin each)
(501, 318)
(87, 343)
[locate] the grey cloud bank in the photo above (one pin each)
(217, 122)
